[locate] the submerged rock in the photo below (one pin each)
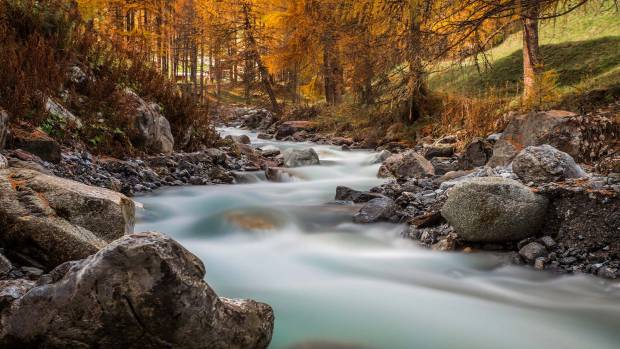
(494, 209)
(300, 157)
(545, 164)
(142, 291)
(54, 220)
(407, 165)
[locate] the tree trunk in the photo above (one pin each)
(532, 59)
(332, 71)
(262, 68)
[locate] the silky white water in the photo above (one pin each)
(363, 286)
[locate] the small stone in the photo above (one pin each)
(539, 263)
(532, 251)
(568, 260)
(548, 242)
(608, 273)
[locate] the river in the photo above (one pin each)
(363, 286)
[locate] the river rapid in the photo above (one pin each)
(335, 284)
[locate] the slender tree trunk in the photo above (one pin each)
(532, 59)
(262, 68)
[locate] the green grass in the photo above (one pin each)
(582, 47)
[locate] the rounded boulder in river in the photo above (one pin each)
(363, 286)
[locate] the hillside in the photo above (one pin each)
(582, 47)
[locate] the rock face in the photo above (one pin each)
(380, 209)
(300, 157)
(407, 165)
(4, 127)
(494, 209)
(355, 196)
(54, 220)
(152, 129)
(142, 291)
(37, 143)
(545, 164)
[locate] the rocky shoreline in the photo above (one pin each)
(523, 192)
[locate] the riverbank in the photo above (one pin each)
(578, 229)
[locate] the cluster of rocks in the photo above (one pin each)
(73, 274)
(211, 166)
(507, 192)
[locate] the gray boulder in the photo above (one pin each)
(4, 163)
(54, 220)
(380, 209)
(300, 157)
(270, 151)
(4, 127)
(380, 157)
(409, 164)
(355, 196)
(494, 209)
(545, 164)
(141, 291)
(152, 129)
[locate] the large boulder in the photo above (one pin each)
(4, 127)
(545, 164)
(409, 164)
(151, 129)
(494, 209)
(585, 138)
(376, 210)
(54, 220)
(300, 157)
(38, 143)
(141, 291)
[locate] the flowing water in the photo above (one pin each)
(363, 286)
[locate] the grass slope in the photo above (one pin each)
(582, 47)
